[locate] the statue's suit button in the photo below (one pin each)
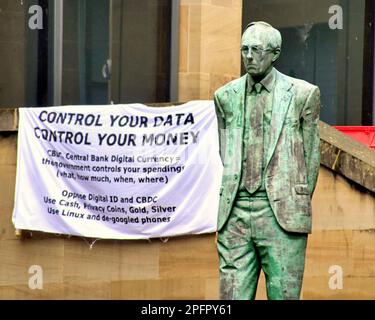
(228, 200)
(236, 177)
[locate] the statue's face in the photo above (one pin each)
(257, 57)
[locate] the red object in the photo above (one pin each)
(364, 134)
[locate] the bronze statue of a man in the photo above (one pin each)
(269, 145)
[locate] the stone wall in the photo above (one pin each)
(187, 267)
(210, 33)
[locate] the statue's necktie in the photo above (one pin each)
(253, 178)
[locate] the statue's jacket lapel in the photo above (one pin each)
(281, 103)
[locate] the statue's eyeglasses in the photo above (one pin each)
(256, 50)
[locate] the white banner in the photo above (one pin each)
(118, 172)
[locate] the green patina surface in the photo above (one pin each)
(269, 145)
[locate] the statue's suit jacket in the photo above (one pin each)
(293, 156)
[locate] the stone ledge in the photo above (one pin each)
(8, 119)
(347, 157)
(339, 152)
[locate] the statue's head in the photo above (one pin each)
(260, 48)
